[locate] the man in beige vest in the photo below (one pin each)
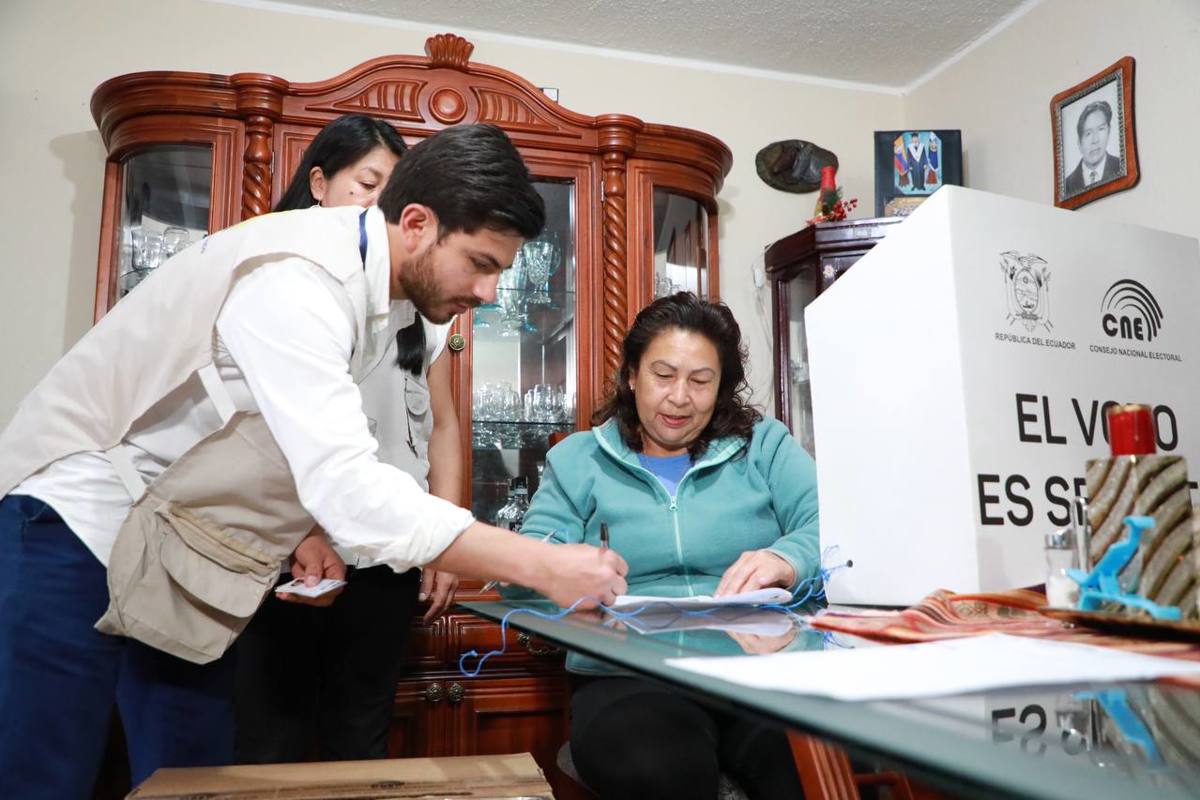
(157, 476)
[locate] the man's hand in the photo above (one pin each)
(438, 587)
(564, 573)
(313, 560)
(579, 571)
(756, 569)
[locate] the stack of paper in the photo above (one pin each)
(759, 597)
(935, 669)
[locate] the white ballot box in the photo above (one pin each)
(960, 373)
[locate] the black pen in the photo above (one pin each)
(603, 536)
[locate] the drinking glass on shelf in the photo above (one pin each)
(174, 239)
(512, 319)
(543, 402)
(509, 298)
(490, 405)
(137, 246)
(508, 403)
(541, 257)
(152, 252)
(568, 414)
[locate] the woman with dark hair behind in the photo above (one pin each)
(355, 647)
(701, 495)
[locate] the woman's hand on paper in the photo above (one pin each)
(313, 560)
(756, 569)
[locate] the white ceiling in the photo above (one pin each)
(879, 43)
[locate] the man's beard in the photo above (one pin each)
(420, 287)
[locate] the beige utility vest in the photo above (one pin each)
(203, 543)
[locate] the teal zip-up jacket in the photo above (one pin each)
(738, 496)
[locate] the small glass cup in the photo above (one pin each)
(137, 246)
(152, 251)
(174, 239)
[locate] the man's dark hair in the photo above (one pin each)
(732, 415)
(1096, 105)
(472, 177)
(340, 144)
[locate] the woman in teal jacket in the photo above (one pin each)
(701, 496)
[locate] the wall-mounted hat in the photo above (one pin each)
(793, 165)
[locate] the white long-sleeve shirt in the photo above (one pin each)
(283, 347)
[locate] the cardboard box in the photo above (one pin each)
(960, 372)
(505, 777)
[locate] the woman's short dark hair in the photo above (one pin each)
(472, 177)
(340, 144)
(733, 415)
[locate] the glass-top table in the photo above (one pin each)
(1096, 741)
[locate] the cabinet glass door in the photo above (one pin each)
(166, 196)
(801, 291)
(680, 244)
(523, 358)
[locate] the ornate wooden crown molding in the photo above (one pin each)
(448, 50)
(416, 93)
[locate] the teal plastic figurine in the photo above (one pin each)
(1102, 585)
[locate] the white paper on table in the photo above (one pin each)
(756, 621)
(759, 597)
(935, 669)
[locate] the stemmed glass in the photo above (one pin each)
(542, 257)
(509, 299)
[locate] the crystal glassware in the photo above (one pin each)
(541, 257)
(174, 239)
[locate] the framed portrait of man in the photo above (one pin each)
(1095, 152)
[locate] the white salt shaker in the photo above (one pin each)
(1061, 555)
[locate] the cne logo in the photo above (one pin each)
(1129, 311)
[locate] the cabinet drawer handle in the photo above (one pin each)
(526, 641)
(456, 692)
(434, 693)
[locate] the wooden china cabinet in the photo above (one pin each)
(632, 214)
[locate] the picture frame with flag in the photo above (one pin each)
(911, 165)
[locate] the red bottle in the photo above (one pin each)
(827, 197)
(1131, 430)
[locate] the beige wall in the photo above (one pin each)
(53, 54)
(999, 95)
